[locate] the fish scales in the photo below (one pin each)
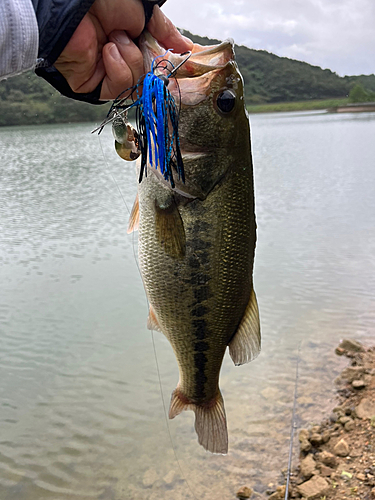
(197, 241)
(205, 294)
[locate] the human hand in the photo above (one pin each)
(102, 47)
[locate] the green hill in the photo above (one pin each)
(27, 99)
(270, 78)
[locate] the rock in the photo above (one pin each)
(316, 439)
(271, 488)
(339, 351)
(244, 492)
(308, 467)
(350, 425)
(326, 471)
(366, 408)
(333, 417)
(303, 434)
(343, 420)
(346, 476)
(373, 493)
(279, 493)
(339, 411)
(305, 445)
(316, 429)
(326, 436)
(327, 458)
(353, 412)
(315, 487)
(351, 373)
(359, 384)
(169, 478)
(351, 345)
(361, 477)
(149, 478)
(341, 448)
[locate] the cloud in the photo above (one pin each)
(335, 34)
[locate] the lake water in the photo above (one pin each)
(81, 410)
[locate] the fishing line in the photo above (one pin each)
(167, 154)
(293, 425)
(108, 171)
(166, 419)
(152, 334)
(160, 382)
(161, 390)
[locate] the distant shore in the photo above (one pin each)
(360, 107)
(330, 105)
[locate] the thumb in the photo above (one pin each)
(161, 28)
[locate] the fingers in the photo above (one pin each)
(167, 34)
(125, 15)
(123, 63)
(79, 62)
(100, 50)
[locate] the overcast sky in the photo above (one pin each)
(334, 34)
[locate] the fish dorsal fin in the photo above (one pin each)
(245, 345)
(134, 216)
(170, 230)
(152, 321)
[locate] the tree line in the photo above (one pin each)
(27, 99)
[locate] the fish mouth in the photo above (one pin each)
(192, 78)
(203, 59)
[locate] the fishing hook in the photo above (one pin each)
(114, 113)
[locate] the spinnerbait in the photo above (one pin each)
(156, 135)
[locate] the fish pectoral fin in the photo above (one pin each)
(245, 344)
(134, 216)
(152, 321)
(170, 230)
(210, 420)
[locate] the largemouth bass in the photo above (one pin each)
(197, 241)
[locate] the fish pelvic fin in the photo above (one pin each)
(210, 420)
(246, 342)
(152, 320)
(134, 216)
(170, 230)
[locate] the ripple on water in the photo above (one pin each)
(81, 405)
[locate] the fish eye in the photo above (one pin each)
(226, 100)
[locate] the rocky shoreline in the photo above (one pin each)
(337, 457)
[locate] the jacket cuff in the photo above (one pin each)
(18, 37)
(57, 21)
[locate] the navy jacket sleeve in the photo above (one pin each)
(57, 21)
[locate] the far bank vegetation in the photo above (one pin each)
(272, 83)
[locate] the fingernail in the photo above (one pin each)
(114, 52)
(187, 40)
(121, 37)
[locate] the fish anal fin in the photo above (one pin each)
(210, 420)
(152, 321)
(170, 230)
(134, 216)
(245, 344)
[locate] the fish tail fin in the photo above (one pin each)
(210, 420)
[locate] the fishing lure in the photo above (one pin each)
(155, 138)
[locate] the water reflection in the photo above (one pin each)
(81, 410)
